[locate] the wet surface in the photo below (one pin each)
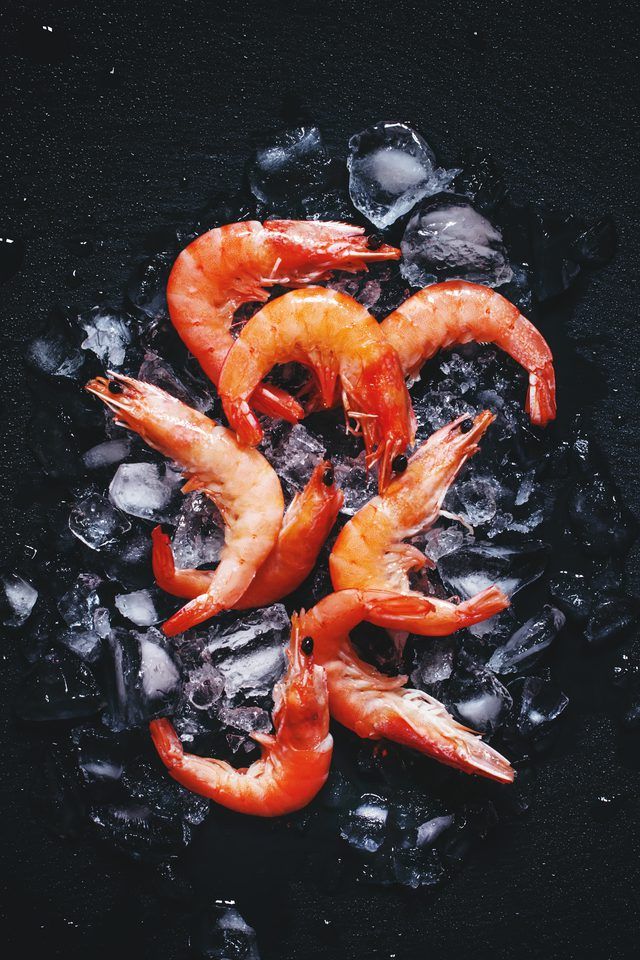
(122, 131)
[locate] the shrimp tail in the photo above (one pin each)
(541, 396)
(276, 403)
(244, 421)
(484, 605)
(439, 736)
(167, 743)
(196, 611)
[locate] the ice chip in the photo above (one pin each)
(147, 285)
(245, 719)
(139, 832)
(199, 534)
(108, 334)
(538, 703)
(158, 670)
(253, 673)
(364, 828)
(184, 387)
(391, 168)
(358, 484)
(572, 593)
(107, 454)
(204, 686)
(434, 663)
(480, 179)
(440, 541)
(98, 758)
(56, 350)
(143, 679)
(248, 650)
(431, 830)
(83, 642)
(612, 617)
(478, 498)
(478, 565)
(477, 697)
(142, 607)
(417, 866)
(293, 453)
(145, 490)
(291, 169)
(222, 934)
(59, 687)
(17, 599)
(446, 238)
(80, 602)
(528, 643)
(96, 523)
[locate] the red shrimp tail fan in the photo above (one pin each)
(198, 610)
(167, 742)
(484, 605)
(541, 396)
(276, 403)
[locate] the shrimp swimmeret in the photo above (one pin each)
(295, 760)
(376, 706)
(342, 343)
(239, 480)
(238, 263)
(370, 552)
(306, 525)
(457, 312)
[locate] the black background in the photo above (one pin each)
(153, 110)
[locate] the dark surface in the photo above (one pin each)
(108, 156)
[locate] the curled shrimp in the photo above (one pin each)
(239, 480)
(370, 553)
(295, 761)
(376, 706)
(458, 312)
(342, 343)
(306, 525)
(236, 264)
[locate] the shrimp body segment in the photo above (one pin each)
(295, 761)
(239, 480)
(458, 312)
(370, 553)
(306, 525)
(376, 706)
(238, 263)
(341, 342)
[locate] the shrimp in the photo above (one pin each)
(306, 526)
(239, 480)
(376, 706)
(295, 761)
(237, 263)
(457, 312)
(335, 336)
(370, 553)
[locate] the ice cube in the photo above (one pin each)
(95, 522)
(417, 866)
(248, 651)
(434, 663)
(199, 535)
(447, 238)
(144, 781)
(572, 593)
(143, 607)
(160, 373)
(528, 643)
(253, 673)
(600, 520)
(291, 170)
(80, 602)
(146, 287)
(441, 541)
(145, 490)
(477, 697)
(204, 686)
(108, 334)
(17, 599)
(245, 719)
(143, 680)
(478, 498)
(358, 484)
(432, 830)
(85, 643)
(106, 454)
(59, 687)
(98, 756)
(364, 828)
(294, 452)
(480, 179)
(478, 565)
(539, 702)
(222, 934)
(612, 616)
(56, 350)
(391, 168)
(139, 832)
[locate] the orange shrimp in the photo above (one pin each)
(376, 706)
(295, 761)
(341, 342)
(236, 264)
(458, 312)
(307, 523)
(370, 553)
(239, 480)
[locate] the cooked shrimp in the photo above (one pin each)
(457, 312)
(237, 263)
(295, 761)
(341, 342)
(376, 706)
(306, 526)
(370, 554)
(241, 483)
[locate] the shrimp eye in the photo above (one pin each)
(399, 464)
(115, 387)
(375, 241)
(328, 477)
(307, 645)
(466, 425)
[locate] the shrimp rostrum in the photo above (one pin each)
(295, 760)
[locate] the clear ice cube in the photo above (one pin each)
(142, 607)
(17, 599)
(96, 523)
(478, 565)
(79, 603)
(204, 686)
(145, 490)
(364, 828)
(528, 643)
(107, 454)
(477, 697)
(391, 168)
(222, 934)
(108, 334)
(199, 534)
